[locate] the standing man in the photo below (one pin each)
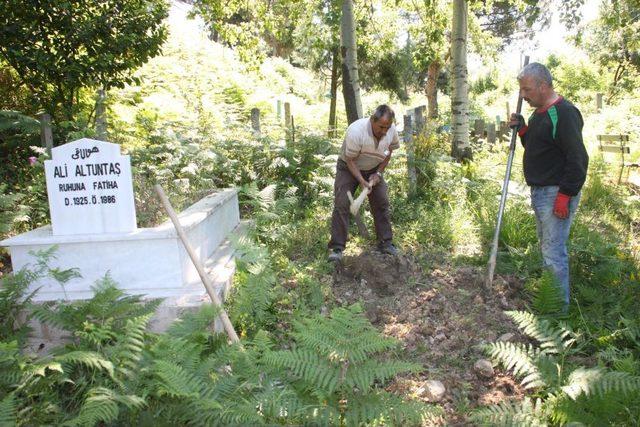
(555, 165)
(364, 155)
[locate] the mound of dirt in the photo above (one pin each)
(371, 270)
(442, 317)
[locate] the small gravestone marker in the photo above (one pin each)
(478, 128)
(45, 132)
(255, 120)
(419, 118)
(599, 102)
(90, 189)
(287, 114)
(101, 115)
(491, 133)
(411, 167)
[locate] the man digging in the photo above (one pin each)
(364, 155)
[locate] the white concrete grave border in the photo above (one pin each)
(149, 261)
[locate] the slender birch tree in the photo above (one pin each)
(350, 83)
(460, 147)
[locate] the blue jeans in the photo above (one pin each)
(553, 233)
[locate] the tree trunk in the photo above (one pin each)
(460, 148)
(333, 123)
(432, 89)
(350, 85)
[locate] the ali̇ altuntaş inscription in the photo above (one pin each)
(90, 189)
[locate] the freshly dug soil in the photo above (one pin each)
(441, 317)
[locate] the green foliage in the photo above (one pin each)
(15, 296)
(253, 28)
(22, 173)
(254, 294)
(102, 361)
(59, 48)
(483, 84)
(568, 393)
(526, 412)
(8, 411)
(103, 316)
(546, 294)
(10, 211)
(337, 358)
(430, 146)
(17, 133)
(576, 81)
(612, 42)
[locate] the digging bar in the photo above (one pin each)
(491, 265)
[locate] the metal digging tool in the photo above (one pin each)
(206, 281)
(491, 265)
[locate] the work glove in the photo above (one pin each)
(561, 206)
(517, 121)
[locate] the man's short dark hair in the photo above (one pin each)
(383, 111)
(538, 71)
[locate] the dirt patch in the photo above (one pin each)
(441, 317)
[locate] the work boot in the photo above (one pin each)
(388, 248)
(335, 255)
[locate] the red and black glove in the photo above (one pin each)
(517, 121)
(561, 206)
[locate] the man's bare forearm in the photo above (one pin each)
(351, 164)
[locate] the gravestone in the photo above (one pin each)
(411, 167)
(287, 114)
(255, 120)
(45, 132)
(599, 102)
(419, 118)
(491, 133)
(90, 189)
(478, 128)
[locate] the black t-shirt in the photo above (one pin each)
(554, 153)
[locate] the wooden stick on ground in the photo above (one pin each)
(206, 281)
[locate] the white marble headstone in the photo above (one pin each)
(90, 189)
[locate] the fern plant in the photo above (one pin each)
(338, 361)
(94, 379)
(332, 377)
(254, 293)
(566, 393)
(107, 312)
(199, 381)
(15, 296)
(11, 211)
(546, 297)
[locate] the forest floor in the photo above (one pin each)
(441, 317)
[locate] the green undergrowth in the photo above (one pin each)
(310, 369)
(593, 377)
(452, 220)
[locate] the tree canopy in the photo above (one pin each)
(60, 47)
